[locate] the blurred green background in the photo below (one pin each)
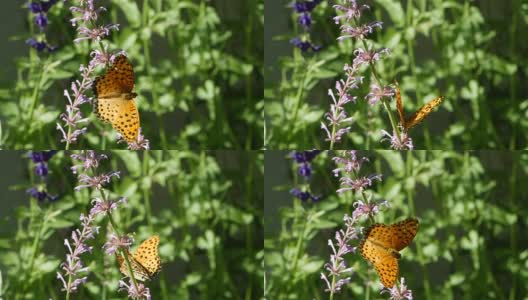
(206, 207)
(470, 244)
(471, 52)
(198, 68)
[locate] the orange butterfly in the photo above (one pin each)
(419, 115)
(145, 261)
(114, 99)
(381, 246)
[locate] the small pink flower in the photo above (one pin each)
(141, 292)
(101, 206)
(376, 93)
(368, 56)
(403, 142)
(400, 293)
(115, 242)
(368, 209)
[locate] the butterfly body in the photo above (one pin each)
(419, 115)
(145, 261)
(114, 99)
(381, 246)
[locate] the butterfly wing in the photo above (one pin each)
(380, 235)
(119, 78)
(385, 263)
(121, 113)
(147, 255)
(381, 245)
(422, 113)
(140, 273)
(115, 100)
(145, 261)
(403, 233)
(399, 106)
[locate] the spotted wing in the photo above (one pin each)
(147, 255)
(399, 106)
(422, 113)
(384, 262)
(140, 273)
(403, 233)
(121, 113)
(118, 79)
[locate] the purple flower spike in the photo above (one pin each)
(404, 142)
(97, 181)
(337, 267)
(115, 242)
(89, 160)
(141, 143)
(364, 57)
(349, 165)
(352, 11)
(358, 32)
(400, 293)
(337, 117)
(376, 93)
(141, 292)
(369, 209)
(349, 14)
(73, 264)
(85, 17)
(102, 207)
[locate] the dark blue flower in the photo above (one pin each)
(41, 195)
(304, 156)
(304, 46)
(41, 156)
(305, 6)
(40, 6)
(304, 196)
(47, 5)
(41, 20)
(305, 20)
(40, 46)
(41, 169)
(305, 170)
(35, 193)
(35, 7)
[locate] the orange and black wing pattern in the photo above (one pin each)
(419, 115)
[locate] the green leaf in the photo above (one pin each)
(395, 11)
(131, 11)
(312, 266)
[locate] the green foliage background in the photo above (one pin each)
(469, 51)
(205, 207)
(470, 244)
(198, 72)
